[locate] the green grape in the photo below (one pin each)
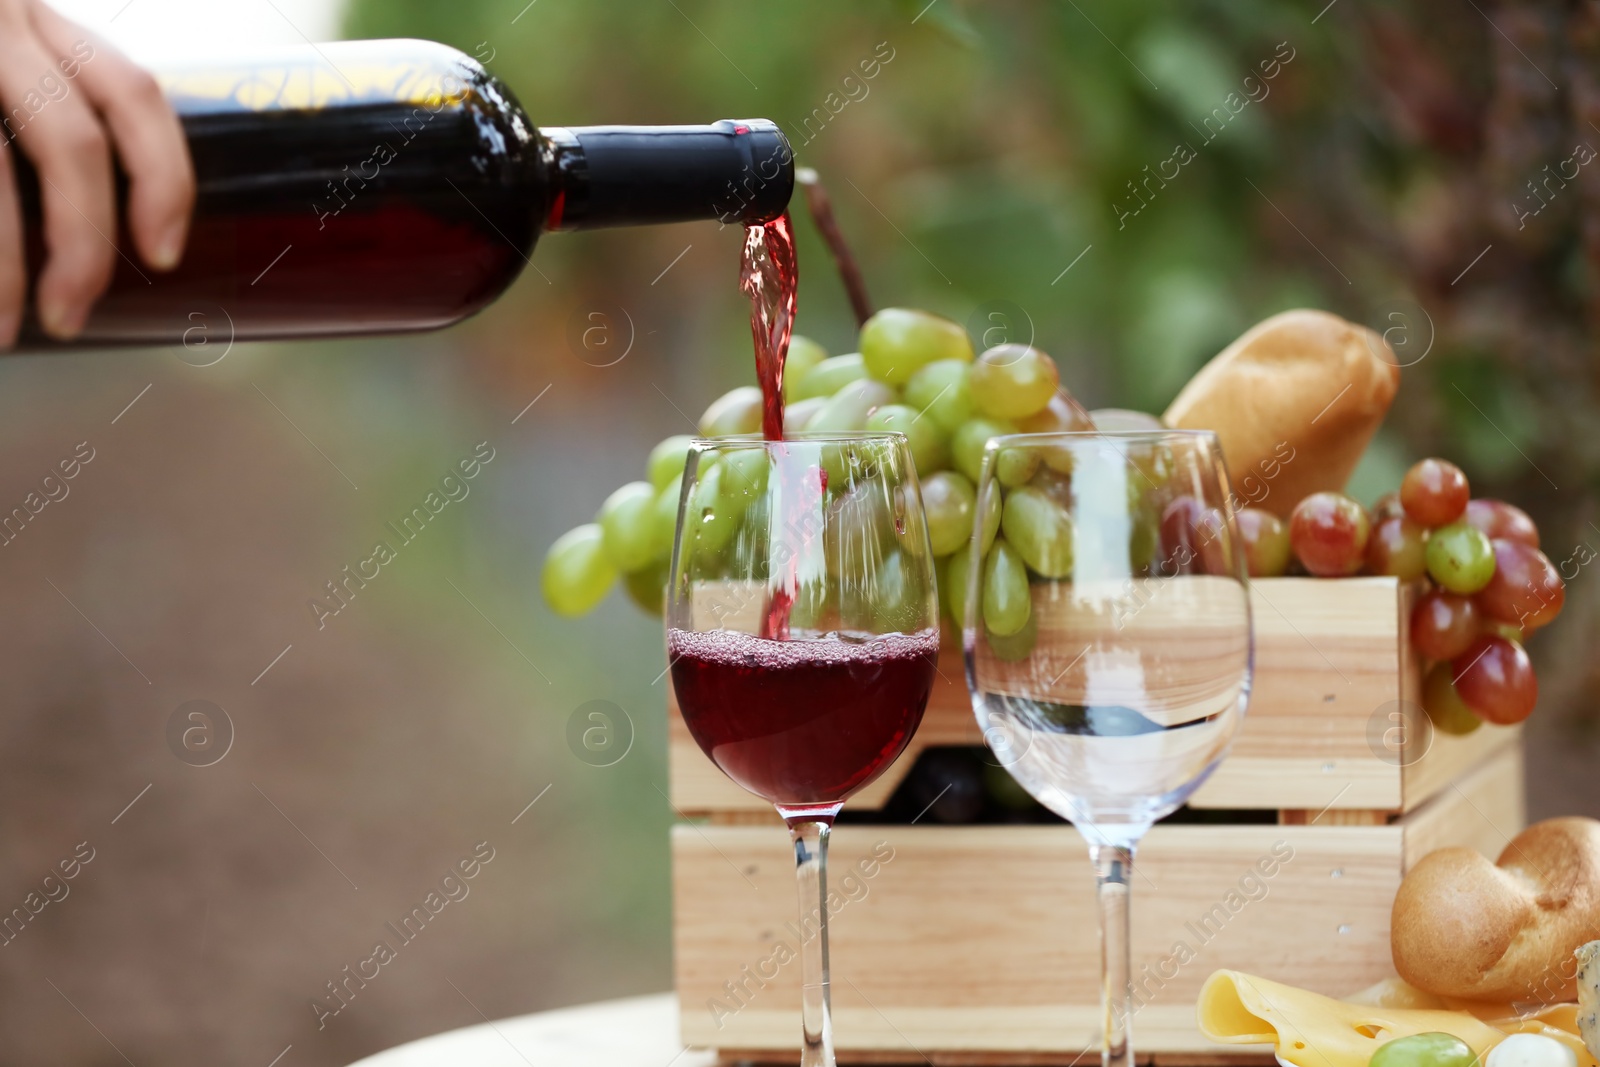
(929, 449)
(828, 377)
(953, 579)
(1446, 710)
(710, 519)
(627, 526)
(948, 502)
(804, 354)
(1013, 381)
(1014, 466)
(897, 605)
(648, 588)
(966, 447)
(664, 516)
(577, 575)
(847, 410)
(1144, 540)
(667, 459)
(744, 478)
(940, 390)
(1460, 558)
(798, 415)
(897, 341)
(736, 411)
(1039, 530)
(991, 519)
(1006, 603)
(814, 610)
(1435, 1049)
(1016, 647)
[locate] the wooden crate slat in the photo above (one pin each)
(983, 937)
(1484, 810)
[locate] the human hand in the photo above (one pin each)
(67, 101)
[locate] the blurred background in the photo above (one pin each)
(1396, 170)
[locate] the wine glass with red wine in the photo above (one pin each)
(1108, 641)
(802, 635)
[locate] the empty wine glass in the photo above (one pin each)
(802, 632)
(1108, 642)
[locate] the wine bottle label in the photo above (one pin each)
(336, 74)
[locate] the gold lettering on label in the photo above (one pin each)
(316, 85)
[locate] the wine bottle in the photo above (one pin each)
(366, 187)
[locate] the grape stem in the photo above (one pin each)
(821, 209)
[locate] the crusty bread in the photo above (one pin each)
(1294, 402)
(1462, 927)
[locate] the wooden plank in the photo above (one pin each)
(984, 937)
(1484, 810)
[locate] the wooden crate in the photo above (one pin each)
(978, 944)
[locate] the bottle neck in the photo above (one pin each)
(734, 171)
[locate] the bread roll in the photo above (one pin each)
(1294, 402)
(1462, 927)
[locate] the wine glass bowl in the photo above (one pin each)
(1108, 639)
(803, 635)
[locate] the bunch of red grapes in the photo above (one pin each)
(1488, 585)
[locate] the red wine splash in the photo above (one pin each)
(769, 275)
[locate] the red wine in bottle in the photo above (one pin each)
(367, 187)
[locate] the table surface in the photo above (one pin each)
(635, 1032)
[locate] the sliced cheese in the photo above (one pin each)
(1311, 1030)
(1557, 1020)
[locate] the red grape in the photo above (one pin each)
(1525, 589)
(1434, 492)
(1495, 678)
(1446, 710)
(1398, 547)
(1266, 542)
(1329, 534)
(1443, 625)
(1388, 507)
(1180, 536)
(1501, 521)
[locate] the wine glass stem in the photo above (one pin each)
(1113, 870)
(811, 872)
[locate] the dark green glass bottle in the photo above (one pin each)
(368, 187)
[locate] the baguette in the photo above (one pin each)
(1462, 927)
(1294, 402)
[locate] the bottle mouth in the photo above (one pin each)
(733, 171)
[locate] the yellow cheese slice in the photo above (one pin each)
(1311, 1030)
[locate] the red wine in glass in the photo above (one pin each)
(802, 723)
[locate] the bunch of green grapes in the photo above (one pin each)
(915, 373)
